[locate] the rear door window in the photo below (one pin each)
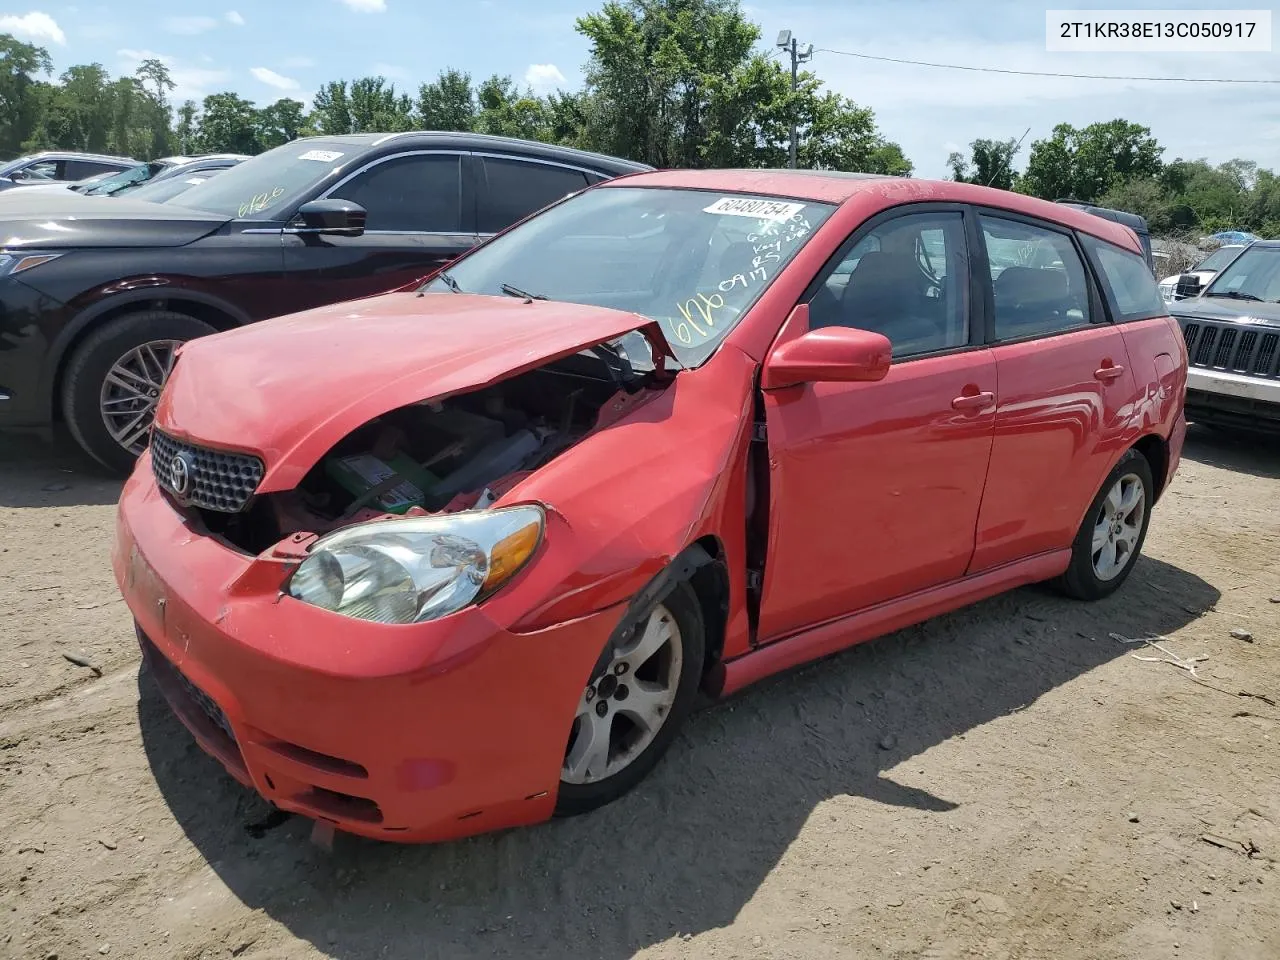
(1037, 278)
(83, 169)
(512, 189)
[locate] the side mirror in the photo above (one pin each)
(828, 355)
(337, 217)
(1188, 286)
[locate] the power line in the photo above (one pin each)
(1038, 73)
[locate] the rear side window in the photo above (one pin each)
(1037, 279)
(83, 169)
(516, 188)
(1131, 289)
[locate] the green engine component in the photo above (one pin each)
(361, 473)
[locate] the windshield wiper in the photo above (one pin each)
(449, 282)
(511, 291)
(1236, 295)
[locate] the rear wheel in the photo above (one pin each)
(1113, 531)
(114, 378)
(642, 689)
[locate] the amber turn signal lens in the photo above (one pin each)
(510, 554)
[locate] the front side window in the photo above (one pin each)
(908, 279)
(1218, 259)
(694, 261)
(413, 193)
(1131, 289)
(1037, 279)
(1254, 275)
(516, 188)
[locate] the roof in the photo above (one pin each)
(481, 141)
(822, 186)
(76, 155)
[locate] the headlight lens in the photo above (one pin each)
(11, 263)
(420, 568)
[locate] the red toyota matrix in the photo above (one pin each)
(461, 557)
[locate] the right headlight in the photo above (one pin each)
(418, 568)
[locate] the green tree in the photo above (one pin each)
(21, 102)
(281, 122)
(506, 111)
(331, 111)
(228, 124)
(447, 103)
(186, 133)
(1084, 164)
(990, 164)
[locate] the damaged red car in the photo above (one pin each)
(462, 557)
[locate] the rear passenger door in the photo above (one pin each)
(509, 188)
(417, 221)
(1065, 391)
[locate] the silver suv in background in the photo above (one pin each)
(54, 166)
(1233, 342)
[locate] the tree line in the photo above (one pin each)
(673, 83)
(1120, 164)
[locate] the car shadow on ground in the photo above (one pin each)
(36, 472)
(690, 847)
(1240, 451)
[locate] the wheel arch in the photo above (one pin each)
(214, 311)
(1155, 449)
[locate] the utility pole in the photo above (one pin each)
(790, 44)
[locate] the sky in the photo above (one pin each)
(266, 50)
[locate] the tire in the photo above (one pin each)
(578, 795)
(1086, 578)
(85, 378)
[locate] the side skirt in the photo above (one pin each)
(836, 635)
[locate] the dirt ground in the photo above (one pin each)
(1007, 782)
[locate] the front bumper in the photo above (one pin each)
(1232, 398)
(411, 733)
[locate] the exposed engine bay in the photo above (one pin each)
(460, 453)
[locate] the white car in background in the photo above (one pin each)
(1204, 272)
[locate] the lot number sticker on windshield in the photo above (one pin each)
(324, 156)
(778, 210)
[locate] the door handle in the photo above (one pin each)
(1108, 373)
(973, 401)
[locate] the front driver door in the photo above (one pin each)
(875, 487)
(417, 222)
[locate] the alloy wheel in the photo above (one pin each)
(131, 390)
(1118, 526)
(627, 703)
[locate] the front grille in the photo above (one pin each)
(1214, 345)
(200, 477)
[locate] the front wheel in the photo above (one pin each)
(114, 379)
(1113, 531)
(642, 688)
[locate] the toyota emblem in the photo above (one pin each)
(180, 474)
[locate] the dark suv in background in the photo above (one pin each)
(97, 293)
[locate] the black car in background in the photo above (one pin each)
(96, 293)
(54, 166)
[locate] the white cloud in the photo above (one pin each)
(33, 26)
(366, 6)
(189, 26)
(273, 79)
(190, 83)
(235, 19)
(543, 77)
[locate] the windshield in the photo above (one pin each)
(159, 191)
(1254, 275)
(692, 260)
(1218, 259)
(265, 187)
(116, 182)
(13, 165)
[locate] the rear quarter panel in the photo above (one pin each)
(1158, 359)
